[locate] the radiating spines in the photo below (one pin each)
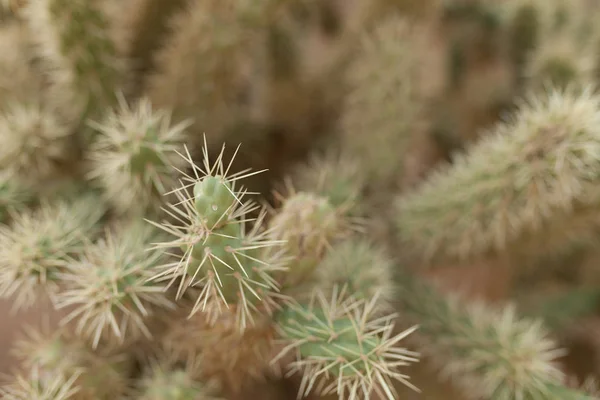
(383, 102)
(342, 347)
(134, 156)
(73, 40)
(491, 353)
(530, 184)
(100, 375)
(41, 385)
(360, 266)
(38, 244)
(33, 140)
(107, 290)
(565, 51)
(225, 259)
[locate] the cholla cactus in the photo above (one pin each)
(202, 70)
(530, 184)
(33, 141)
(39, 244)
(383, 103)
(135, 156)
(228, 293)
(73, 38)
(341, 339)
(307, 224)
(220, 255)
(99, 375)
(491, 353)
(107, 289)
(564, 53)
(37, 385)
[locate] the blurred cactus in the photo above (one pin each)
(382, 104)
(528, 185)
(33, 142)
(98, 375)
(135, 154)
(202, 72)
(493, 355)
(73, 40)
(41, 386)
(13, 194)
(40, 244)
(107, 289)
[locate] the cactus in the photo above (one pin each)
(135, 155)
(13, 194)
(40, 244)
(99, 375)
(491, 353)
(382, 104)
(219, 253)
(107, 289)
(342, 339)
(306, 224)
(530, 181)
(33, 142)
(40, 386)
(73, 40)
(202, 70)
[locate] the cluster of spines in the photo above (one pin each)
(566, 42)
(13, 194)
(533, 176)
(107, 289)
(34, 143)
(39, 385)
(135, 155)
(491, 353)
(38, 244)
(307, 224)
(341, 347)
(231, 265)
(360, 267)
